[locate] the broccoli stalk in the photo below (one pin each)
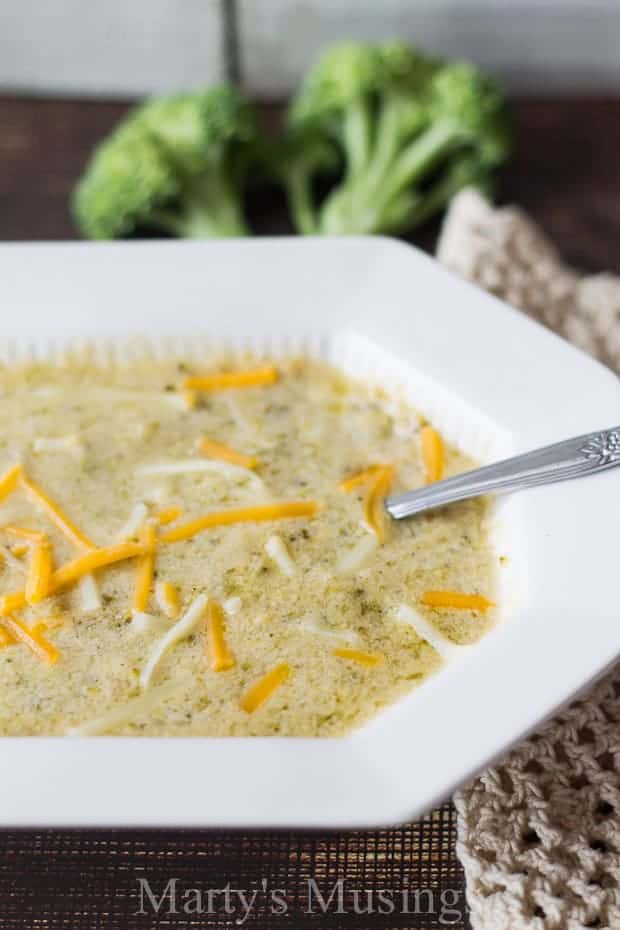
(202, 210)
(410, 133)
(176, 164)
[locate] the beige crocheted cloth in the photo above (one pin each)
(539, 834)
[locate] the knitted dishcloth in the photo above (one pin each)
(539, 833)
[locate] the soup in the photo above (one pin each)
(202, 550)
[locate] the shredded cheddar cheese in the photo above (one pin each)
(217, 450)
(33, 639)
(369, 659)
(359, 478)
(5, 638)
(55, 513)
(456, 600)
(10, 558)
(23, 533)
(168, 515)
(70, 572)
(40, 574)
(254, 377)
(8, 481)
(11, 602)
(284, 510)
(190, 399)
(374, 512)
(261, 690)
(220, 656)
(167, 598)
(432, 454)
(144, 570)
(20, 549)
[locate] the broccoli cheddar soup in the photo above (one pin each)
(203, 550)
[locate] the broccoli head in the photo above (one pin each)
(176, 164)
(404, 131)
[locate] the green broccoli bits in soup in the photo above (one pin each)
(202, 549)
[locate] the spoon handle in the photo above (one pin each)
(572, 458)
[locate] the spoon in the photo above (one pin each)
(572, 458)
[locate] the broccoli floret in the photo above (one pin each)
(407, 131)
(176, 164)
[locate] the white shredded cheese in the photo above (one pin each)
(88, 594)
(358, 555)
(146, 623)
(70, 444)
(445, 648)
(310, 626)
(136, 520)
(128, 711)
(240, 419)
(182, 628)
(232, 606)
(275, 547)
(209, 466)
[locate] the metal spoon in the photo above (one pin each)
(573, 458)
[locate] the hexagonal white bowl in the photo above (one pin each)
(492, 380)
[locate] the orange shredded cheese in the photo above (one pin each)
(91, 561)
(374, 513)
(55, 513)
(360, 477)
(254, 377)
(40, 574)
(369, 659)
(190, 399)
(432, 454)
(33, 639)
(72, 571)
(217, 450)
(168, 515)
(5, 638)
(220, 656)
(280, 511)
(457, 600)
(261, 691)
(8, 481)
(11, 602)
(168, 598)
(20, 549)
(23, 533)
(145, 570)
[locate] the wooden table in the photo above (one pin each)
(566, 174)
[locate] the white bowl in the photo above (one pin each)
(492, 380)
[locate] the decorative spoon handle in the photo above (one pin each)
(573, 458)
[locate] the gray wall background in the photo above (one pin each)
(117, 48)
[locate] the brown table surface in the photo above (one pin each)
(566, 173)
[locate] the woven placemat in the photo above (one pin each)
(539, 834)
(91, 880)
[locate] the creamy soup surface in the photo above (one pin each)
(305, 625)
